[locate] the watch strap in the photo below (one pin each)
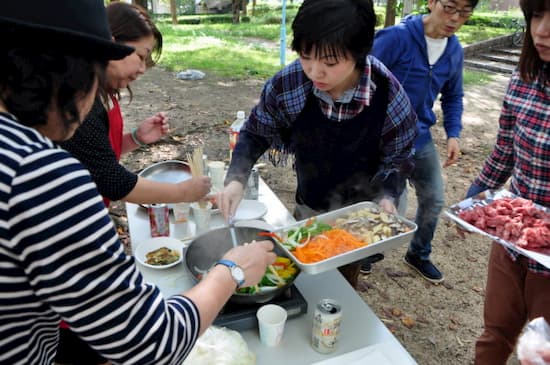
(230, 264)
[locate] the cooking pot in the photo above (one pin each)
(209, 247)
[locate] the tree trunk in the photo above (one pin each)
(244, 3)
(253, 7)
(142, 3)
(174, 12)
(235, 8)
(390, 13)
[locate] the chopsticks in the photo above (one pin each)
(197, 167)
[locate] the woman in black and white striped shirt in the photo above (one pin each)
(60, 257)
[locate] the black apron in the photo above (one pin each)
(336, 161)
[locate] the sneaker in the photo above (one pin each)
(366, 264)
(424, 268)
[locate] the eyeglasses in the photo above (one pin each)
(451, 9)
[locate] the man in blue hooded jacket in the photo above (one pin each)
(425, 55)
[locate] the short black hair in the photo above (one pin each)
(31, 79)
(336, 27)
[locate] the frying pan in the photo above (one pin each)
(209, 247)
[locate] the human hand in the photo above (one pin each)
(153, 128)
(229, 198)
(387, 205)
(533, 346)
(453, 152)
(253, 258)
(544, 354)
(195, 188)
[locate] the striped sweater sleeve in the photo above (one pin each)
(60, 257)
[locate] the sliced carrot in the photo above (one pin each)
(328, 244)
(270, 234)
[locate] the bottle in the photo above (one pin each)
(234, 132)
(251, 189)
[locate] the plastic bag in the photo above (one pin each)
(190, 75)
(220, 346)
(535, 337)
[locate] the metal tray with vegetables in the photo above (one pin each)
(342, 236)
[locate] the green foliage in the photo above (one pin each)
(185, 6)
(504, 20)
(211, 43)
(469, 34)
(380, 15)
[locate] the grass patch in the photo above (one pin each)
(471, 77)
(238, 51)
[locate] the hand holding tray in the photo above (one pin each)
(542, 256)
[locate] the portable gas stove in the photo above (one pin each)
(240, 317)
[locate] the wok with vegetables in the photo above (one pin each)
(276, 275)
(209, 247)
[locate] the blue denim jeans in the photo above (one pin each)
(428, 183)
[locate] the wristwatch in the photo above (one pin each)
(237, 273)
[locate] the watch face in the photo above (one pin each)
(238, 274)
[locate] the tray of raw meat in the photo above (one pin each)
(510, 220)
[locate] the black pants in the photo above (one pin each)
(72, 350)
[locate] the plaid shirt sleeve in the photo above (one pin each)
(498, 167)
(399, 131)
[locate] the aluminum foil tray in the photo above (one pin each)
(485, 198)
(350, 256)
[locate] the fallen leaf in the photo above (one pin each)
(408, 322)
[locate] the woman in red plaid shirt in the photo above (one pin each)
(518, 288)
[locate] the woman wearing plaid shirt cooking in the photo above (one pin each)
(518, 288)
(340, 112)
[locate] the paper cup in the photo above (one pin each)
(271, 323)
(216, 170)
(201, 217)
(181, 212)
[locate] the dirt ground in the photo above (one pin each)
(437, 324)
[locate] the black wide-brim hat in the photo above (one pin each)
(77, 27)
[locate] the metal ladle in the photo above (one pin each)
(231, 223)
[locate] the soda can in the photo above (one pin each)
(159, 219)
(252, 185)
(326, 326)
